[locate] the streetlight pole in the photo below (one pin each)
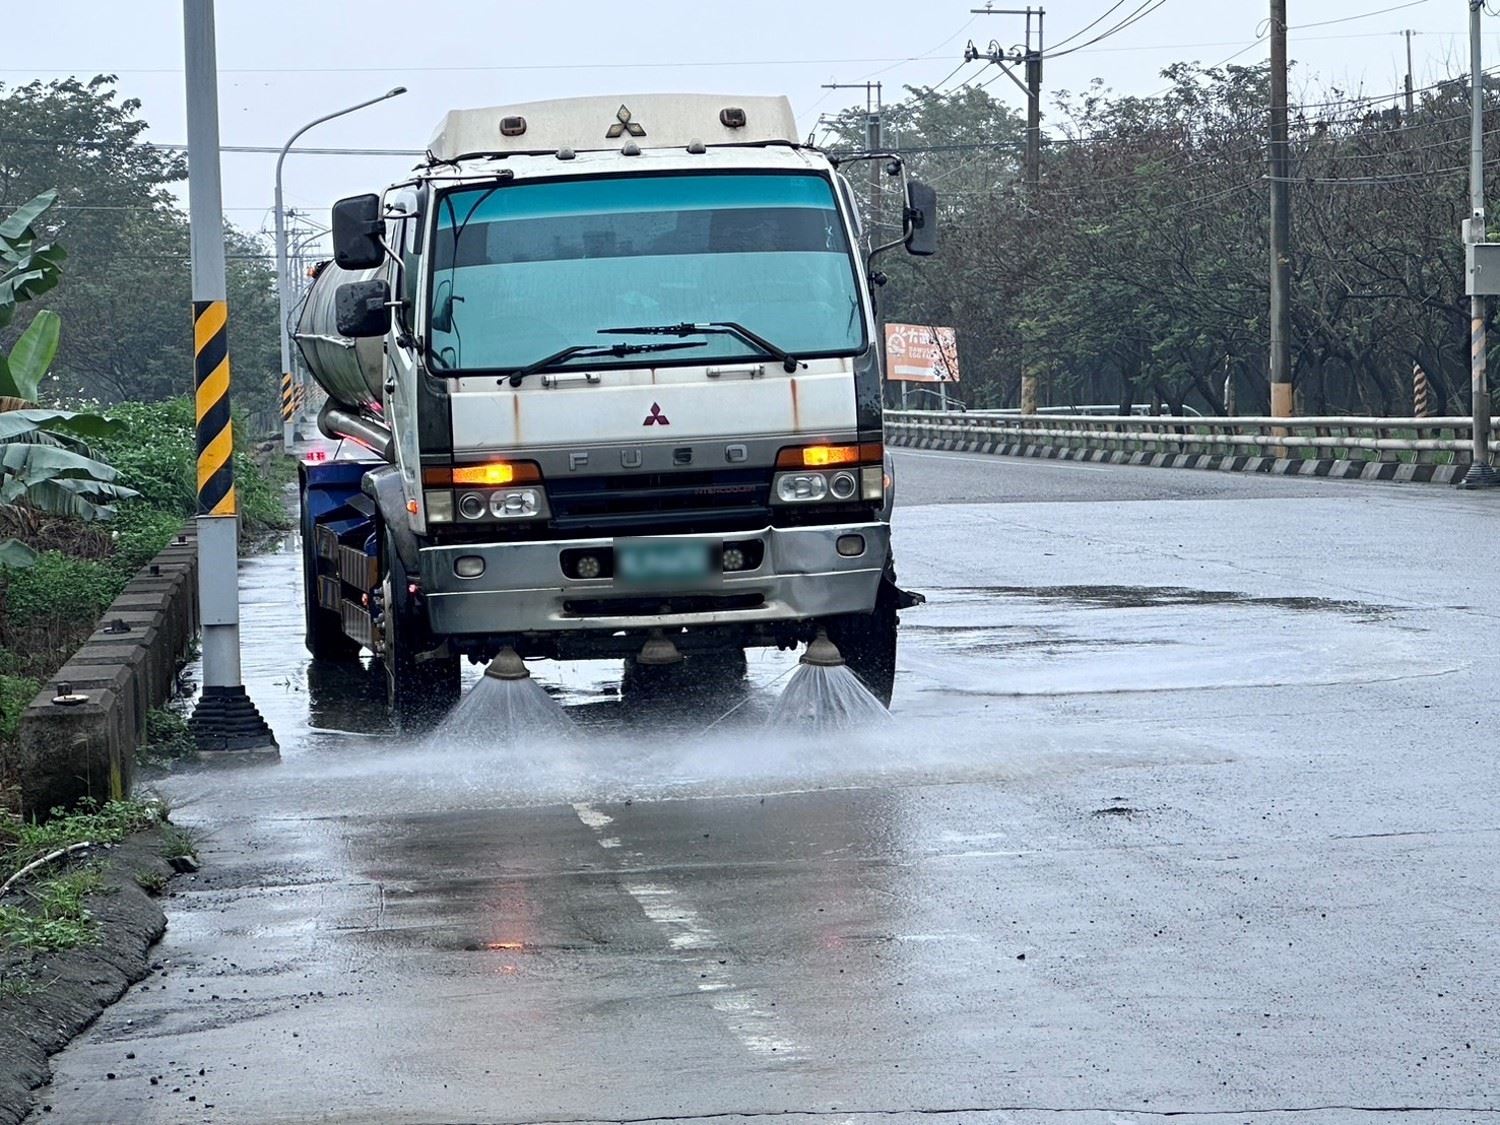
(283, 283)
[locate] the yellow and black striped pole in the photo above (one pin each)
(215, 429)
(225, 719)
(288, 398)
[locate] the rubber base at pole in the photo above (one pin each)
(226, 721)
(1480, 476)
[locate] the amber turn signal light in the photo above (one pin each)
(827, 456)
(492, 474)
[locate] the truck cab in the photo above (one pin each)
(612, 368)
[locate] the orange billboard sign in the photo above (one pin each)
(921, 353)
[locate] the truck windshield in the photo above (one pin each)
(526, 270)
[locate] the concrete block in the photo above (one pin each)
(1416, 474)
(61, 754)
(118, 677)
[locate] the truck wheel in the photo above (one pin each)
(868, 642)
(421, 692)
(324, 631)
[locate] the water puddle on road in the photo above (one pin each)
(1060, 641)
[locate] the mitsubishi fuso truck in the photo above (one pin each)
(605, 376)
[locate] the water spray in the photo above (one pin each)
(506, 707)
(824, 693)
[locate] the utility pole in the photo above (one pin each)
(874, 139)
(1031, 59)
(225, 718)
(1411, 101)
(1281, 270)
(1481, 472)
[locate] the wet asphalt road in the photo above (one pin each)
(1189, 806)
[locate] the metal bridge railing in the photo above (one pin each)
(1419, 440)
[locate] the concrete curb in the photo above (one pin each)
(1399, 471)
(128, 666)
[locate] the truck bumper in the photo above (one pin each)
(523, 588)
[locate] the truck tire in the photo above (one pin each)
(868, 641)
(324, 635)
(420, 692)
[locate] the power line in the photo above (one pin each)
(1115, 7)
(1361, 16)
(1147, 8)
(679, 64)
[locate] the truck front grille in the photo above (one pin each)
(647, 503)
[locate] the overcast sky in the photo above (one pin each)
(282, 62)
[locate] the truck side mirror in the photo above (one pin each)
(921, 219)
(363, 308)
(357, 228)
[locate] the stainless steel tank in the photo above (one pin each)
(349, 370)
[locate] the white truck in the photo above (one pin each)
(611, 371)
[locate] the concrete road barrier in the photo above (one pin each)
(84, 745)
(1401, 449)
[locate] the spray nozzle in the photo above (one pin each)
(659, 651)
(823, 653)
(508, 666)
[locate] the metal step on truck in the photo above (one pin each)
(606, 380)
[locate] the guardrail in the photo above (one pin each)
(1374, 448)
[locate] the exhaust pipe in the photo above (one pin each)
(340, 425)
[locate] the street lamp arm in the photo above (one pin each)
(329, 117)
(282, 281)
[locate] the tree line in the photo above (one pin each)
(1138, 271)
(127, 298)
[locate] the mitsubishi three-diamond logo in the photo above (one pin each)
(623, 124)
(656, 417)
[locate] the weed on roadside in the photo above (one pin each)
(58, 918)
(18, 986)
(48, 911)
(154, 883)
(167, 738)
(178, 842)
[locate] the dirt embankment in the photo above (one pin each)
(54, 996)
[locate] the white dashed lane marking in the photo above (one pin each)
(687, 932)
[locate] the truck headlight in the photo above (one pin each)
(516, 503)
(801, 488)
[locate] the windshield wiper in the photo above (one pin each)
(578, 351)
(711, 328)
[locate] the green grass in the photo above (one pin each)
(167, 737)
(15, 693)
(51, 913)
(18, 987)
(178, 843)
(58, 917)
(152, 882)
(99, 824)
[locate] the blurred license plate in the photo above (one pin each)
(653, 562)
